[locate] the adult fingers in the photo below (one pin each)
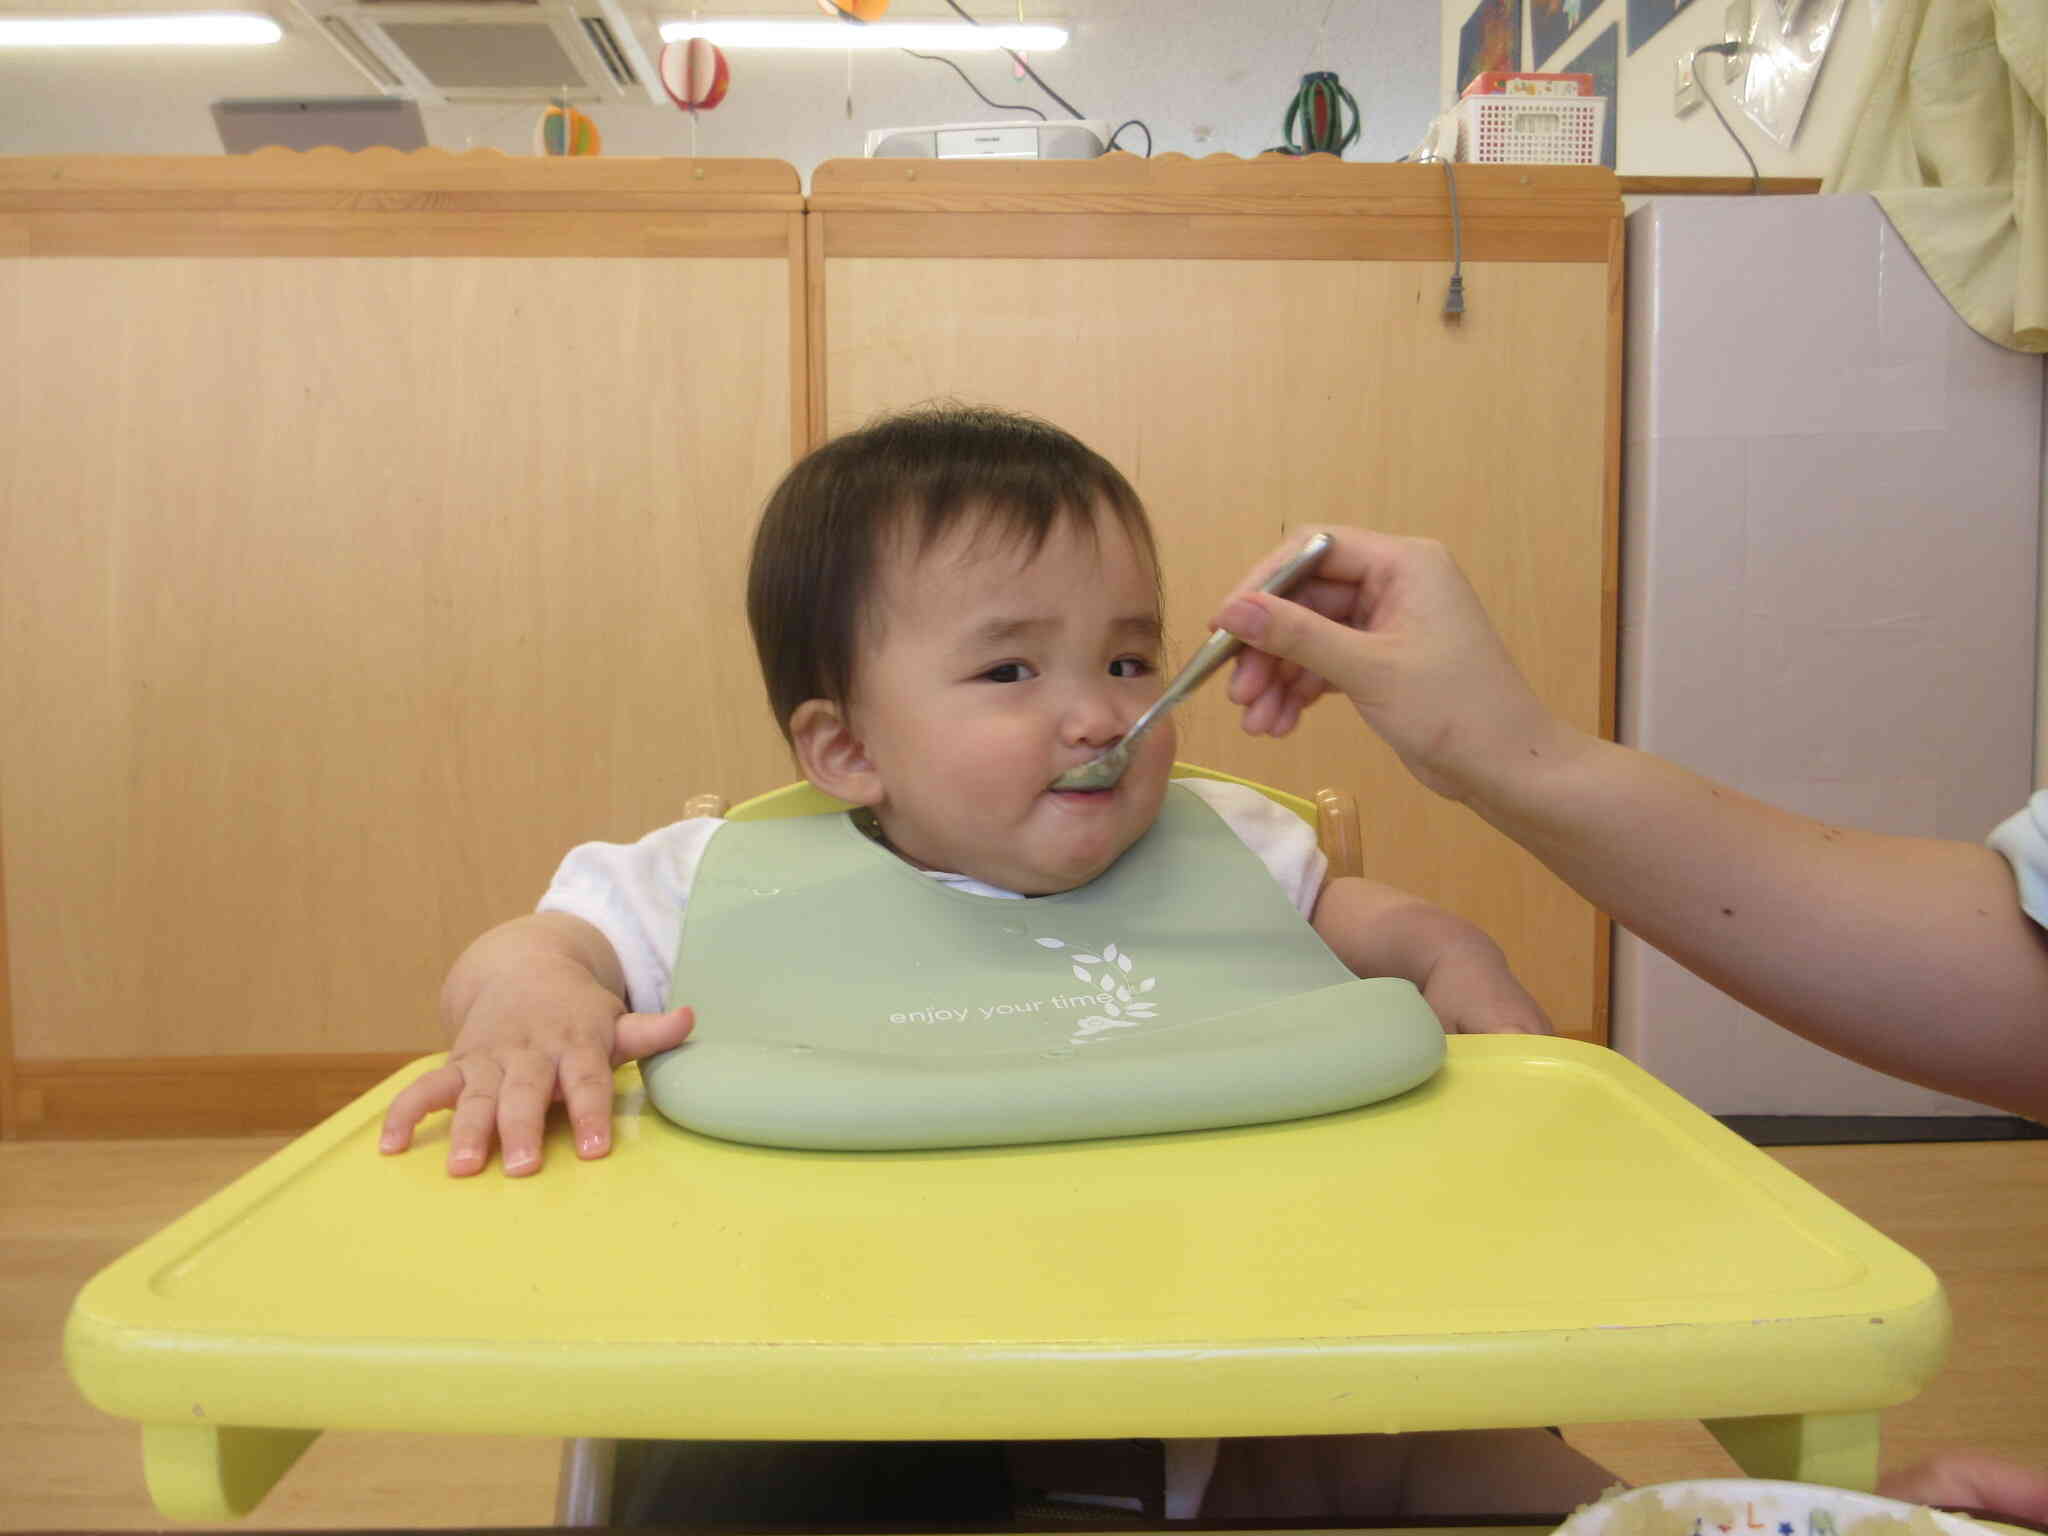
(1972, 1480)
(419, 1098)
(1357, 567)
(1335, 653)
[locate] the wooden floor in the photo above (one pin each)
(1978, 1213)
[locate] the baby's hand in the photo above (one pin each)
(522, 1045)
(1473, 992)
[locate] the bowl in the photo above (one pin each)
(1759, 1507)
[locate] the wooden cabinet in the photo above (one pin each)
(373, 530)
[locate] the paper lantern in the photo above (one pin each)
(694, 74)
(1318, 111)
(574, 135)
(859, 10)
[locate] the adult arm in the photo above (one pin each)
(1910, 955)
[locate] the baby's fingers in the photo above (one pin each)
(476, 1115)
(587, 1095)
(587, 1072)
(419, 1098)
(524, 1092)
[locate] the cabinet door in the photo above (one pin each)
(1260, 345)
(375, 533)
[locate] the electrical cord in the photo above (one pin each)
(1729, 50)
(1000, 106)
(1130, 123)
(1018, 59)
(1454, 299)
(1454, 296)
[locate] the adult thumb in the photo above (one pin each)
(644, 1034)
(1337, 653)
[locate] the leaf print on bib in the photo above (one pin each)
(1124, 1004)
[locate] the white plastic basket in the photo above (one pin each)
(1531, 130)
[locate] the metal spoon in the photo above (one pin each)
(1102, 771)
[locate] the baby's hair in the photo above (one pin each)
(920, 474)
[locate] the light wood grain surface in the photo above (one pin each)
(1978, 1213)
(344, 597)
(385, 180)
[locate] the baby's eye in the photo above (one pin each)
(1008, 672)
(1130, 666)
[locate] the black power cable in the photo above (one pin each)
(1018, 60)
(1000, 106)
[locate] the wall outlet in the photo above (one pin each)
(1735, 29)
(1688, 88)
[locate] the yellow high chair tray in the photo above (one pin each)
(1540, 1234)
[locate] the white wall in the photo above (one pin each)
(1207, 75)
(1652, 140)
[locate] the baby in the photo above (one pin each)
(952, 607)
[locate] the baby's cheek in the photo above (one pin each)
(1158, 748)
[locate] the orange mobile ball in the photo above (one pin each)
(859, 10)
(579, 136)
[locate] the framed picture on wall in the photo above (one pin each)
(1490, 39)
(1601, 58)
(1646, 19)
(1551, 22)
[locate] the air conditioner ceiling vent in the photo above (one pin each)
(484, 57)
(496, 50)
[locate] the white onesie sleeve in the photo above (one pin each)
(635, 893)
(2023, 838)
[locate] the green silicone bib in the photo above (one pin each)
(847, 1000)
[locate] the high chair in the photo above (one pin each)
(1541, 1234)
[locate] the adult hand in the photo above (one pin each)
(1972, 1480)
(1393, 624)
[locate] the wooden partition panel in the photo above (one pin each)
(1259, 345)
(372, 530)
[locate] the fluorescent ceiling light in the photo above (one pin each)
(838, 36)
(214, 29)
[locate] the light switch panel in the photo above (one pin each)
(1688, 99)
(1735, 29)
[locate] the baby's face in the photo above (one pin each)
(990, 673)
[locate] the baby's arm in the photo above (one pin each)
(1461, 973)
(538, 1012)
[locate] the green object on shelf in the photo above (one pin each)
(1317, 113)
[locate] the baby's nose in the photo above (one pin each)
(1096, 717)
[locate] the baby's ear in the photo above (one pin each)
(831, 755)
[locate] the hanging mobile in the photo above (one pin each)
(1318, 108)
(696, 77)
(562, 130)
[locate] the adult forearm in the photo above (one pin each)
(1907, 954)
